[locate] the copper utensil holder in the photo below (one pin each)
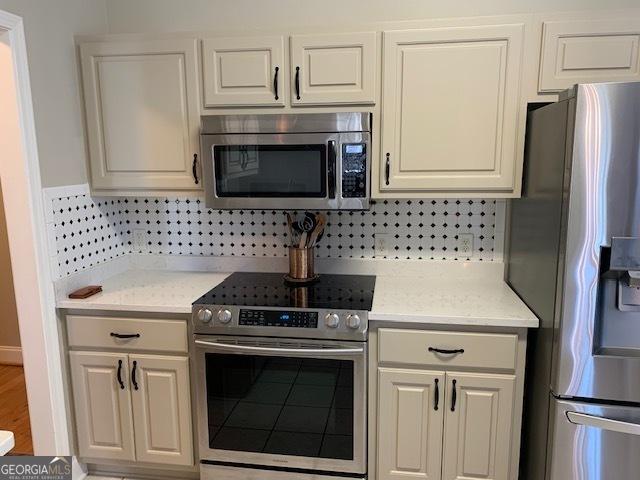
(301, 265)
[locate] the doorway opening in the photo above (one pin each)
(42, 411)
(14, 407)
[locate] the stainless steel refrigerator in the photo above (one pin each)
(574, 258)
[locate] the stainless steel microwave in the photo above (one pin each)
(305, 161)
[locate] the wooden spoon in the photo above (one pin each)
(321, 221)
(290, 225)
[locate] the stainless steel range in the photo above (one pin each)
(281, 377)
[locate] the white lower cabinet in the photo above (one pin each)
(410, 430)
(477, 426)
(103, 407)
(448, 404)
(454, 426)
(132, 407)
(161, 409)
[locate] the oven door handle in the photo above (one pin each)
(277, 350)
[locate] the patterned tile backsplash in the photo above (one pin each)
(90, 230)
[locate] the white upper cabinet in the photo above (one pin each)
(450, 109)
(589, 51)
(244, 71)
(143, 121)
(333, 69)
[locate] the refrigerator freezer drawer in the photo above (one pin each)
(594, 442)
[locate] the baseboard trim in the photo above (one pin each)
(10, 355)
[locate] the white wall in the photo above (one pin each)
(171, 15)
(50, 26)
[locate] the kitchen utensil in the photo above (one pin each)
(317, 231)
(307, 223)
(290, 226)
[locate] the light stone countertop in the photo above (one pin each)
(449, 301)
(153, 291)
(456, 296)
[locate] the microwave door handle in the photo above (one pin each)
(603, 423)
(331, 167)
(278, 350)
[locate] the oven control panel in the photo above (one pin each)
(284, 322)
(354, 170)
(278, 318)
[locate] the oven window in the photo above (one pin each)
(270, 170)
(277, 405)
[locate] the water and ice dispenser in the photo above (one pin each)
(619, 299)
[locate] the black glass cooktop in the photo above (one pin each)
(343, 292)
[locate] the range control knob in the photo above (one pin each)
(224, 315)
(205, 315)
(332, 320)
(353, 321)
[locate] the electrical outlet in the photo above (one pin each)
(139, 239)
(382, 244)
(465, 244)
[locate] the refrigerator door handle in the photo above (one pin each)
(603, 423)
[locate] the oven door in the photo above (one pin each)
(282, 403)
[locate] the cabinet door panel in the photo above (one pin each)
(589, 51)
(162, 409)
(142, 113)
(240, 71)
(450, 108)
(103, 409)
(477, 437)
(409, 426)
(334, 69)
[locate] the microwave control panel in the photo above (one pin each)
(354, 170)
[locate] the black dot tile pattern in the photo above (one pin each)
(90, 230)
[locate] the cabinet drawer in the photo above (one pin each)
(481, 350)
(154, 334)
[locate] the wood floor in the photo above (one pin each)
(14, 412)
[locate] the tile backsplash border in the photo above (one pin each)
(84, 231)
